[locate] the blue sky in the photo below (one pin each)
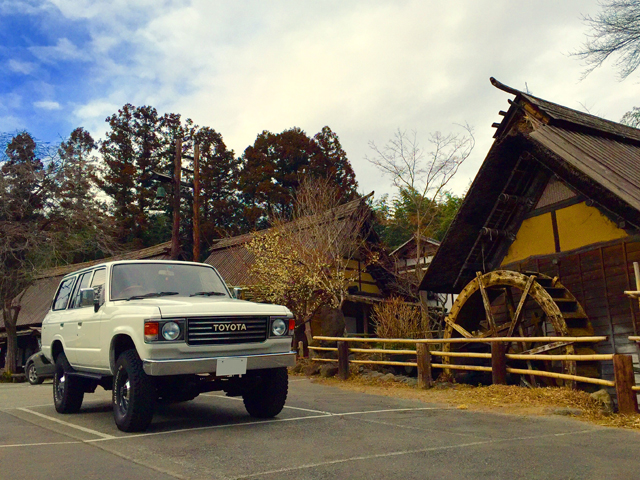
(365, 68)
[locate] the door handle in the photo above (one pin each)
(61, 325)
(79, 324)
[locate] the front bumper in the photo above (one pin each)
(208, 365)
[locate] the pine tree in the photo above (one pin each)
(273, 167)
(220, 206)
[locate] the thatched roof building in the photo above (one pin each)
(558, 193)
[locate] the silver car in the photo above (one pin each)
(37, 368)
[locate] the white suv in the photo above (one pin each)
(163, 331)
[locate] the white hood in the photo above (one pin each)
(205, 306)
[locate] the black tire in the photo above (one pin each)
(68, 391)
(134, 394)
(268, 395)
(32, 375)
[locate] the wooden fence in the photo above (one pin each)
(622, 364)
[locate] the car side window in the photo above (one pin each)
(98, 281)
(64, 292)
(82, 283)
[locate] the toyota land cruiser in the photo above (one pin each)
(163, 331)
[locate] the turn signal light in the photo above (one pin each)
(292, 325)
(151, 330)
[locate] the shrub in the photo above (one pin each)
(395, 318)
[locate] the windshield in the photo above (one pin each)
(131, 281)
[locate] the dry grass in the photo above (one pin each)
(505, 399)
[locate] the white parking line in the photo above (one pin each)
(403, 452)
(210, 427)
(38, 444)
(26, 406)
(71, 425)
(388, 410)
(321, 414)
(286, 406)
(347, 413)
(263, 422)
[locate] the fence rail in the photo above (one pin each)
(466, 340)
(623, 366)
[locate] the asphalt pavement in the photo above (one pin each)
(323, 433)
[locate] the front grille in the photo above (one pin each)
(226, 330)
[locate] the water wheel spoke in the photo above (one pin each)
(489, 307)
(532, 378)
(511, 306)
(523, 300)
(486, 302)
(458, 328)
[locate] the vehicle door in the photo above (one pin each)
(60, 321)
(87, 323)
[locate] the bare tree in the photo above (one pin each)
(310, 261)
(423, 175)
(39, 226)
(614, 31)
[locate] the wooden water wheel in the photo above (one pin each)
(504, 303)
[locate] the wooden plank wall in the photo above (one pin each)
(598, 277)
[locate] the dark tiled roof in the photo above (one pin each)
(160, 252)
(611, 163)
(230, 257)
(341, 212)
(37, 299)
(568, 116)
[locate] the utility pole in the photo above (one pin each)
(175, 232)
(196, 203)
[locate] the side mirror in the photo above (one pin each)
(87, 297)
(237, 291)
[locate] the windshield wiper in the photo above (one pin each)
(150, 294)
(209, 294)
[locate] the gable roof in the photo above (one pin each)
(537, 139)
(230, 257)
(409, 246)
(37, 298)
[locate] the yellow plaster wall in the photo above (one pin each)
(580, 225)
(352, 268)
(535, 237)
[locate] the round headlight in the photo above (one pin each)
(170, 331)
(278, 327)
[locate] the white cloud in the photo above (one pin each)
(63, 50)
(47, 105)
(11, 123)
(363, 68)
(21, 67)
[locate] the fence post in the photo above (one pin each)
(625, 380)
(424, 366)
(343, 360)
(499, 363)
